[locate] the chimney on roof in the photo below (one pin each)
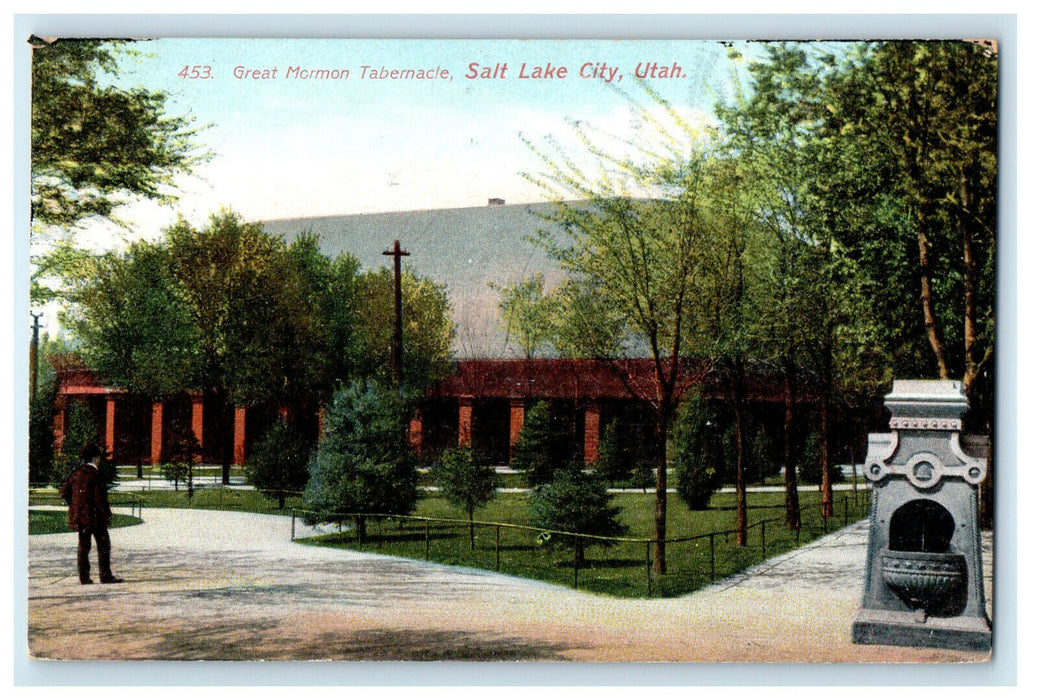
(495, 202)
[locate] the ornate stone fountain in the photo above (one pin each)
(923, 577)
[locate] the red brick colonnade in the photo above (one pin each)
(484, 403)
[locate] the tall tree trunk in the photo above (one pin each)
(659, 564)
(826, 390)
(792, 495)
(969, 283)
(740, 454)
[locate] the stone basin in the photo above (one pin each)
(923, 580)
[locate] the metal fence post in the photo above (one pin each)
(497, 549)
(763, 541)
(426, 539)
(648, 569)
(293, 524)
(712, 574)
(576, 550)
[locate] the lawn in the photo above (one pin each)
(620, 569)
(49, 522)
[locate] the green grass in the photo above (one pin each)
(49, 522)
(619, 570)
(247, 501)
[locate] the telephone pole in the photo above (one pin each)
(398, 328)
(34, 350)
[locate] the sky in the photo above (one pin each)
(283, 146)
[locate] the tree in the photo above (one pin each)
(427, 324)
(80, 430)
(96, 146)
(183, 452)
(698, 451)
(278, 464)
(632, 232)
(544, 447)
(135, 325)
(526, 313)
(363, 464)
(465, 484)
(623, 457)
(924, 117)
(577, 502)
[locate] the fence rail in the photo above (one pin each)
(135, 503)
(687, 564)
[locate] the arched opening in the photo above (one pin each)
(921, 526)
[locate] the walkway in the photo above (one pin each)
(221, 585)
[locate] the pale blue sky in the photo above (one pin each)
(287, 147)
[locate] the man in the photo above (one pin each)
(89, 514)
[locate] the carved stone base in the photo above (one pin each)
(907, 629)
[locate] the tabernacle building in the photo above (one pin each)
(483, 403)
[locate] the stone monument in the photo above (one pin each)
(923, 577)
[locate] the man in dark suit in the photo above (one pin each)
(90, 514)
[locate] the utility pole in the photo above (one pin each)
(398, 329)
(34, 350)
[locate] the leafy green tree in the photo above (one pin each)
(427, 324)
(41, 434)
(923, 116)
(135, 325)
(527, 313)
(577, 502)
(80, 430)
(623, 459)
(363, 464)
(183, 452)
(633, 232)
(95, 145)
(698, 451)
(811, 463)
(278, 464)
(465, 484)
(544, 447)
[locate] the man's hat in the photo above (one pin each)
(89, 452)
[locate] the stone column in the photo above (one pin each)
(516, 417)
(197, 418)
(239, 435)
(110, 426)
(59, 423)
(414, 432)
(465, 406)
(156, 432)
(592, 419)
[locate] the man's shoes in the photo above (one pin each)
(112, 579)
(84, 582)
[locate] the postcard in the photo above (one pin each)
(512, 350)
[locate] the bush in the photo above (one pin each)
(810, 468)
(465, 484)
(623, 457)
(278, 463)
(698, 452)
(183, 452)
(80, 430)
(175, 472)
(577, 502)
(544, 446)
(41, 434)
(363, 463)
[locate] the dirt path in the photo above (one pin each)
(220, 585)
